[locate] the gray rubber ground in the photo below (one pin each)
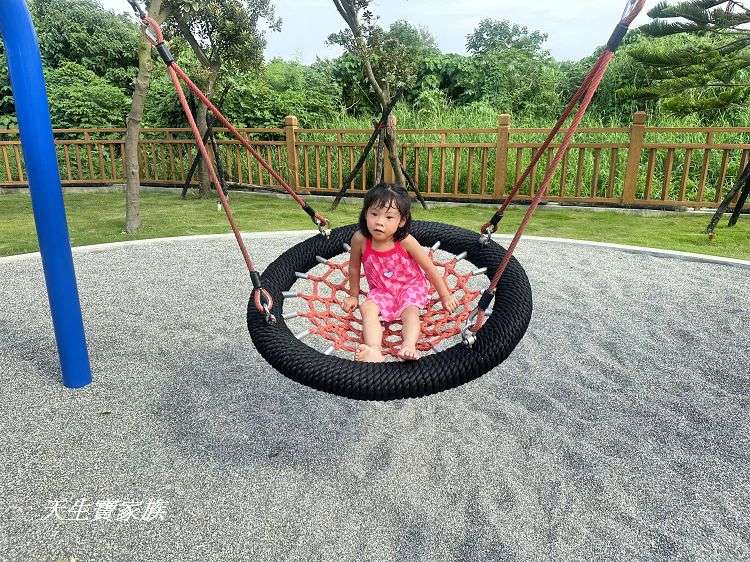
(619, 428)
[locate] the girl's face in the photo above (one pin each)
(383, 222)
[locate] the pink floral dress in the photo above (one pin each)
(396, 281)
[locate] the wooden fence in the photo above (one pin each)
(635, 166)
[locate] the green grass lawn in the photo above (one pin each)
(98, 217)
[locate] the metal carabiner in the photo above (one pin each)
(263, 300)
(322, 228)
(468, 336)
(486, 237)
(150, 33)
(270, 318)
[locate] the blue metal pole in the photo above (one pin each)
(32, 111)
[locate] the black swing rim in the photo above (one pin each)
(437, 372)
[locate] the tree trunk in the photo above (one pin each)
(740, 204)
(379, 163)
(391, 142)
(133, 131)
(350, 12)
(741, 182)
(201, 119)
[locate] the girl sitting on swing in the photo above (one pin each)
(397, 270)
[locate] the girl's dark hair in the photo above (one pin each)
(385, 195)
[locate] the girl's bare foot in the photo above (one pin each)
(409, 353)
(368, 354)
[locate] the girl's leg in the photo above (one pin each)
(411, 328)
(370, 350)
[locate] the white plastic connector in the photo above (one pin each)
(303, 335)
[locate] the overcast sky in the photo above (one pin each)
(574, 28)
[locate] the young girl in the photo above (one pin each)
(396, 268)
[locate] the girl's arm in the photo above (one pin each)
(355, 263)
(424, 261)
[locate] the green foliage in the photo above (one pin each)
(7, 119)
(79, 37)
(282, 89)
(695, 16)
(224, 30)
(498, 35)
(395, 56)
(81, 31)
(346, 72)
(704, 71)
(431, 103)
(255, 99)
(518, 79)
(513, 81)
(614, 101)
(450, 73)
(701, 62)
(80, 98)
(162, 107)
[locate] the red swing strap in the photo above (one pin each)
(152, 31)
(582, 98)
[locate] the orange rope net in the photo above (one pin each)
(344, 331)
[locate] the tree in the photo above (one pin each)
(221, 32)
(346, 73)
(80, 98)
(389, 61)
(215, 31)
(701, 66)
(513, 81)
(80, 31)
(410, 44)
(449, 73)
(7, 108)
(706, 74)
(497, 35)
(157, 11)
(509, 69)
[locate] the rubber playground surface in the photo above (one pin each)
(619, 428)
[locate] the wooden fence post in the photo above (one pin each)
(632, 172)
(291, 124)
(501, 154)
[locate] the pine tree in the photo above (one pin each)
(706, 70)
(705, 67)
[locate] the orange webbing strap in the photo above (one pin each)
(153, 33)
(582, 98)
(632, 9)
(319, 220)
(491, 226)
